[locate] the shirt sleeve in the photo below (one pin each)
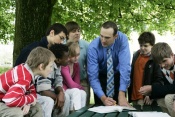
(160, 91)
(42, 83)
(68, 80)
(20, 94)
(58, 78)
(76, 73)
(124, 63)
(92, 70)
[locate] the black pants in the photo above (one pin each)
(103, 82)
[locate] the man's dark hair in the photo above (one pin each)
(110, 24)
(59, 50)
(57, 27)
(147, 37)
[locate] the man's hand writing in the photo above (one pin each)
(122, 99)
(107, 101)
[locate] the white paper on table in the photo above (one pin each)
(149, 114)
(109, 109)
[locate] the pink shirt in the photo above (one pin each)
(71, 81)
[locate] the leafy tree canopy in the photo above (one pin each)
(7, 18)
(130, 15)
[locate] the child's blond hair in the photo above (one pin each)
(72, 45)
(39, 55)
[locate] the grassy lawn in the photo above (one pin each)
(92, 97)
(4, 69)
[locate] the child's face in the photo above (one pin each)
(74, 35)
(58, 38)
(167, 63)
(74, 59)
(145, 48)
(48, 69)
(64, 61)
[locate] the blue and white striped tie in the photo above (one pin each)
(110, 75)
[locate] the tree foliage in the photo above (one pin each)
(34, 16)
(130, 15)
(7, 18)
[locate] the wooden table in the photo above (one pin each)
(85, 113)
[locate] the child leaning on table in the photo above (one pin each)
(71, 78)
(144, 71)
(17, 92)
(50, 92)
(164, 56)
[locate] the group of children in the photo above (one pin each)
(45, 80)
(152, 74)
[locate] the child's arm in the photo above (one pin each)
(49, 94)
(76, 73)
(60, 97)
(44, 86)
(18, 95)
(68, 79)
(157, 77)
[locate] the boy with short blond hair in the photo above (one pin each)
(51, 94)
(17, 91)
(163, 55)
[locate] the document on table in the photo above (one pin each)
(149, 114)
(109, 109)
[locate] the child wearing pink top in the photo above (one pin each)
(71, 78)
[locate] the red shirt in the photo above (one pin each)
(16, 87)
(138, 76)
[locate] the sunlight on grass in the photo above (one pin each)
(92, 97)
(4, 69)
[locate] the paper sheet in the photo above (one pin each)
(109, 109)
(149, 114)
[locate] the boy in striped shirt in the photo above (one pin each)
(17, 91)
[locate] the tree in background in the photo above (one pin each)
(34, 16)
(7, 18)
(130, 15)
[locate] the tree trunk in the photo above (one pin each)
(32, 20)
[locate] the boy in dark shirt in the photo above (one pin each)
(163, 55)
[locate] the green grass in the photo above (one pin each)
(3, 69)
(92, 97)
